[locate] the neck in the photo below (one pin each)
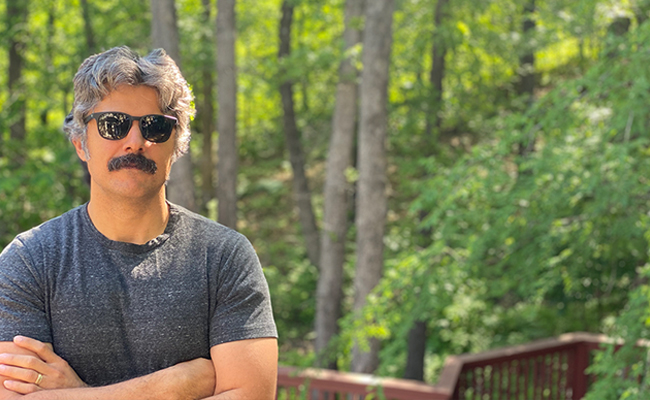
(129, 220)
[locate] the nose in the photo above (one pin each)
(134, 142)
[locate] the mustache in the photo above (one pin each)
(137, 161)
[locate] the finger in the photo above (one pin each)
(23, 361)
(21, 387)
(43, 350)
(19, 374)
(33, 365)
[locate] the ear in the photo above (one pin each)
(80, 151)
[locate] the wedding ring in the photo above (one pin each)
(39, 379)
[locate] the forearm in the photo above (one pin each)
(135, 388)
(126, 390)
(149, 387)
(185, 381)
(237, 395)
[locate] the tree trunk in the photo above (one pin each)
(164, 31)
(48, 55)
(227, 114)
(17, 25)
(372, 201)
(91, 47)
(337, 194)
(527, 59)
(207, 118)
(416, 350)
(207, 129)
(164, 34)
(417, 335)
(296, 155)
(526, 88)
(438, 53)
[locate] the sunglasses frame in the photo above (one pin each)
(130, 118)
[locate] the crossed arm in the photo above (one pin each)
(245, 369)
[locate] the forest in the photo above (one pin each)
(420, 178)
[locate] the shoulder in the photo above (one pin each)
(24, 262)
(223, 247)
(205, 230)
(49, 235)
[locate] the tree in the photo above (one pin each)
(301, 190)
(227, 113)
(206, 111)
(483, 253)
(437, 74)
(418, 333)
(164, 34)
(48, 55)
(337, 190)
(17, 24)
(372, 202)
(88, 28)
(526, 86)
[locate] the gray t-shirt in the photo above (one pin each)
(118, 310)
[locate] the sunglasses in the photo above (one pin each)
(113, 125)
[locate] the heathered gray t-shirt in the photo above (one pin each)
(118, 310)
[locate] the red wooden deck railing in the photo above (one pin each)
(550, 369)
(319, 384)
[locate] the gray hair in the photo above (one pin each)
(102, 73)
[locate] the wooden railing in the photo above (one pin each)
(319, 384)
(550, 369)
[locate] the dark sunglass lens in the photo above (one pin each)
(113, 125)
(156, 128)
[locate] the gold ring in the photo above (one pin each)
(39, 379)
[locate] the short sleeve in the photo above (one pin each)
(243, 304)
(22, 299)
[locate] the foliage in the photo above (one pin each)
(488, 244)
(48, 183)
(525, 245)
(622, 372)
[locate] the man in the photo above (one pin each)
(129, 296)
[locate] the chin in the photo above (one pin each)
(139, 188)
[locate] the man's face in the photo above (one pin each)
(126, 179)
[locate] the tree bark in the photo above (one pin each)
(337, 194)
(526, 88)
(164, 30)
(417, 335)
(227, 114)
(207, 128)
(207, 118)
(164, 34)
(372, 201)
(17, 25)
(48, 55)
(527, 59)
(416, 351)
(301, 190)
(438, 53)
(91, 46)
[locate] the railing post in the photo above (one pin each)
(580, 377)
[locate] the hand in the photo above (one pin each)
(23, 371)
